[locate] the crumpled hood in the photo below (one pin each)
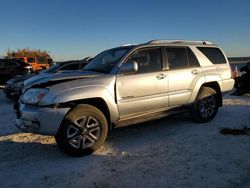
(46, 79)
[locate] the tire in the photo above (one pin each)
(82, 131)
(205, 106)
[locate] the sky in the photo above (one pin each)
(75, 29)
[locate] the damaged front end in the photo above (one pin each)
(36, 115)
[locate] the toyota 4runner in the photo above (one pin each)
(124, 86)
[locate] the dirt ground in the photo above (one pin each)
(171, 152)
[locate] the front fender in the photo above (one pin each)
(83, 93)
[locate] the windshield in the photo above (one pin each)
(105, 61)
(52, 69)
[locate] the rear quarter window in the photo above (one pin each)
(192, 60)
(213, 54)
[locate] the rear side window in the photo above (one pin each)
(177, 58)
(41, 60)
(213, 54)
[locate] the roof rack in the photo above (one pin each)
(178, 41)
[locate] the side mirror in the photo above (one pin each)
(129, 67)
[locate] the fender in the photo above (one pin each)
(204, 80)
(59, 96)
(89, 92)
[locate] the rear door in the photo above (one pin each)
(146, 90)
(184, 70)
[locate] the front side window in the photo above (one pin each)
(52, 69)
(31, 60)
(71, 67)
(105, 61)
(148, 60)
(21, 59)
(177, 58)
(213, 54)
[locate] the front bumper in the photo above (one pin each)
(41, 120)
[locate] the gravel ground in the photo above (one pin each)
(171, 152)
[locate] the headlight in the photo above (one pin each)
(34, 95)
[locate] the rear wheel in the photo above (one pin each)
(82, 131)
(205, 106)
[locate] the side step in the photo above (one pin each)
(150, 116)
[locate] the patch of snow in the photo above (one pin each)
(171, 152)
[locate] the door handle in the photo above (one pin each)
(194, 72)
(161, 76)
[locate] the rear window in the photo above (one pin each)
(213, 54)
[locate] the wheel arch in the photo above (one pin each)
(202, 83)
(215, 85)
(97, 102)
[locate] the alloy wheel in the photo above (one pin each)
(83, 132)
(207, 106)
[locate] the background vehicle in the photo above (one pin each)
(124, 86)
(10, 68)
(38, 59)
(13, 87)
(242, 83)
(38, 63)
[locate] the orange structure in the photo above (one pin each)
(38, 63)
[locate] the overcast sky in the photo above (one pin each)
(75, 29)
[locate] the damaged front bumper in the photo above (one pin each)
(41, 120)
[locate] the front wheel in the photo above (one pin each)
(82, 131)
(205, 106)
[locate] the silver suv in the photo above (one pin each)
(124, 86)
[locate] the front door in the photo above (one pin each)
(146, 90)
